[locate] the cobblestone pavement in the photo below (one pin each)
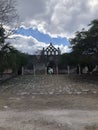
(49, 102)
(48, 84)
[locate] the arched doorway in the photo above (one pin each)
(51, 67)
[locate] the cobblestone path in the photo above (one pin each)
(48, 84)
(49, 102)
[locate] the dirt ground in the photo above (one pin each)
(63, 111)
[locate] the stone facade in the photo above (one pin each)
(45, 63)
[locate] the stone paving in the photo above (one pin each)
(61, 103)
(48, 84)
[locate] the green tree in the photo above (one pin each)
(10, 58)
(67, 59)
(8, 14)
(85, 45)
(17, 60)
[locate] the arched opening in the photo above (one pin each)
(51, 67)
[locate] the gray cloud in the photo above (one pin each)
(30, 9)
(57, 17)
(53, 17)
(30, 45)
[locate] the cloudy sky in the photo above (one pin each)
(45, 21)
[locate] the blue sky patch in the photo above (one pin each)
(41, 36)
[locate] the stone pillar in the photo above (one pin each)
(79, 70)
(68, 69)
(57, 69)
(34, 69)
(45, 70)
(22, 70)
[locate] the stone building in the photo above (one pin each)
(45, 63)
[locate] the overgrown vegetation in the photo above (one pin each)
(84, 48)
(10, 57)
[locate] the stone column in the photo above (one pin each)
(68, 69)
(22, 70)
(34, 69)
(57, 69)
(45, 70)
(79, 70)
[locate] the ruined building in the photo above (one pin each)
(45, 63)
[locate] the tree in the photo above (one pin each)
(8, 12)
(10, 58)
(67, 59)
(17, 60)
(86, 42)
(85, 45)
(7, 15)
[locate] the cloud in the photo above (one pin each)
(30, 45)
(56, 17)
(26, 44)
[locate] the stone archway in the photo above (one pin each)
(51, 67)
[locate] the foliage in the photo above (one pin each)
(8, 12)
(84, 48)
(67, 59)
(10, 58)
(85, 44)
